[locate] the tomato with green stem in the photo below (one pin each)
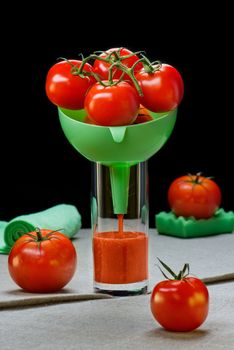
(194, 195)
(180, 304)
(123, 55)
(42, 261)
(162, 87)
(65, 87)
(112, 103)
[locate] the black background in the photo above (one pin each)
(41, 169)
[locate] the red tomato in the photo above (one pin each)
(87, 120)
(180, 305)
(112, 105)
(42, 261)
(143, 116)
(102, 68)
(162, 90)
(194, 195)
(65, 89)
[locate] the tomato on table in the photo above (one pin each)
(112, 105)
(180, 304)
(162, 89)
(102, 68)
(43, 261)
(194, 195)
(65, 89)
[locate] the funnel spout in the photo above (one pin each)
(119, 175)
(118, 133)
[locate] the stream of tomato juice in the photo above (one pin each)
(120, 257)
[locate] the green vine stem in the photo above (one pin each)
(114, 59)
(151, 67)
(129, 72)
(88, 58)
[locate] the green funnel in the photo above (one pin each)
(117, 147)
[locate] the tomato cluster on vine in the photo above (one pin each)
(120, 87)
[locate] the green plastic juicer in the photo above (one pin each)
(117, 147)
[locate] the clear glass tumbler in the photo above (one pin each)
(120, 242)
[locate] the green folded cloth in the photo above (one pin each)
(62, 217)
(170, 224)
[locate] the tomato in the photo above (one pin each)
(43, 261)
(162, 90)
(112, 105)
(65, 89)
(194, 195)
(181, 304)
(87, 120)
(143, 116)
(102, 68)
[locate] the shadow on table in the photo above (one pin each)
(23, 299)
(162, 333)
(21, 292)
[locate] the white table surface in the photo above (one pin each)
(125, 322)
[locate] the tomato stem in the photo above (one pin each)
(110, 76)
(182, 273)
(39, 238)
(39, 235)
(148, 68)
(129, 72)
(157, 65)
(197, 178)
(116, 55)
(114, 59)
(87, 59)
(151, 67)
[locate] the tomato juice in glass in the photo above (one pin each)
(120, 242)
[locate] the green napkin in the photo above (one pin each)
(62, 216)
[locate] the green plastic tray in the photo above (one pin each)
(170, 224)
